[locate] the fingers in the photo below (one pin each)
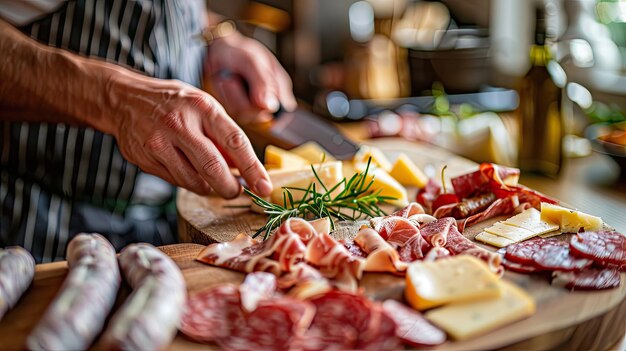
(232, 140)
(263, 89)
(175, 166)
(237, 102)
(285, 88)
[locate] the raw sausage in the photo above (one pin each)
(17, 268)
(149, 318)
(77, 314)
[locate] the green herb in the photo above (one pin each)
(354, 201)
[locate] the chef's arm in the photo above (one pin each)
(166, 127)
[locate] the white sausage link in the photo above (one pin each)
(149, 318)
(17, 269)
(77, 314)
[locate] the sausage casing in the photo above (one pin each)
(17, 269)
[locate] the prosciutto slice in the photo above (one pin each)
(500, 207)
(242, 254)
(405, 237)
(436, 233)
(335, 262)
(457, 244)
(413, 210)
(381, 256)
(305, 281)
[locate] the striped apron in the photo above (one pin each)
(58, 180)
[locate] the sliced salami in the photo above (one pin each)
(554, 255)
(276, 324)
(209, 314)
(345, 321)
(589, 279)
(520, 267)
(411, 327)
(523, 252)
(603, 246)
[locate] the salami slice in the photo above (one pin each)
(276, 324)
(411, 327)
(345, 321)
(523, 252)
(554, 255)
(519, 267)
(209, 314)
(602, 246)
(589, 279)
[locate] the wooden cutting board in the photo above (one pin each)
(564, 320)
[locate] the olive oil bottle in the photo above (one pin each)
(539, 113)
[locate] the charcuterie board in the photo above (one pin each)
(564, 320)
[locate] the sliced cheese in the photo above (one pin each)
(570, 221)
(512, 233)
(407, 173)
(330, 173)
(466, 320)
(277, 158)
(551, 234)
(312, 152)
(532, 220)
(455, 279)
(493, 240)
(386, 184)
(378, 158)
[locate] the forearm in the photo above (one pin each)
(46, 84)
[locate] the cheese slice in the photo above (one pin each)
(386, 184)
(330, 173)
(455, 279)
(570, 221)
(378, 158)
(551, 234)
(277, 158)
(312, 152)
(407, 173)
(466, 320)
(510, 232)
(532, 220)
(493, 240)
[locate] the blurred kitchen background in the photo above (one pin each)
(528, 83)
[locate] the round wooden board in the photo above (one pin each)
(564, 320)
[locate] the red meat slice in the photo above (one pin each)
(589, 279)
(345, 321)
(209, 313)
(523, 252)
(411, 327)
(519, 267)
(607, 247)
(554, 255)
(353, 248)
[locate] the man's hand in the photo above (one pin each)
(166, 127)
(235, 57)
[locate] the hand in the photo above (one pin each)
(173, 130)
(235, 57)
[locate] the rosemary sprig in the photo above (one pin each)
(357, 199)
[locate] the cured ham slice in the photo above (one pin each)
(411, 327)
(412, 209)
(436, 233)
(488, 176)
(381, 256)
(346, 321)
(303, 229)
(242, 254)
(458, 244)
(353, 248)
(305, 281)
(500, 207)
(335, 262)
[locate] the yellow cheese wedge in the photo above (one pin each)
(407, 173)
(378, 158)
(532, 220)
(493, 240)
(277, 158)
(466, 320)
(386, 184)
(455, 279)
(515, 234)
(312, 152)
(570, 221)
(330, 173)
